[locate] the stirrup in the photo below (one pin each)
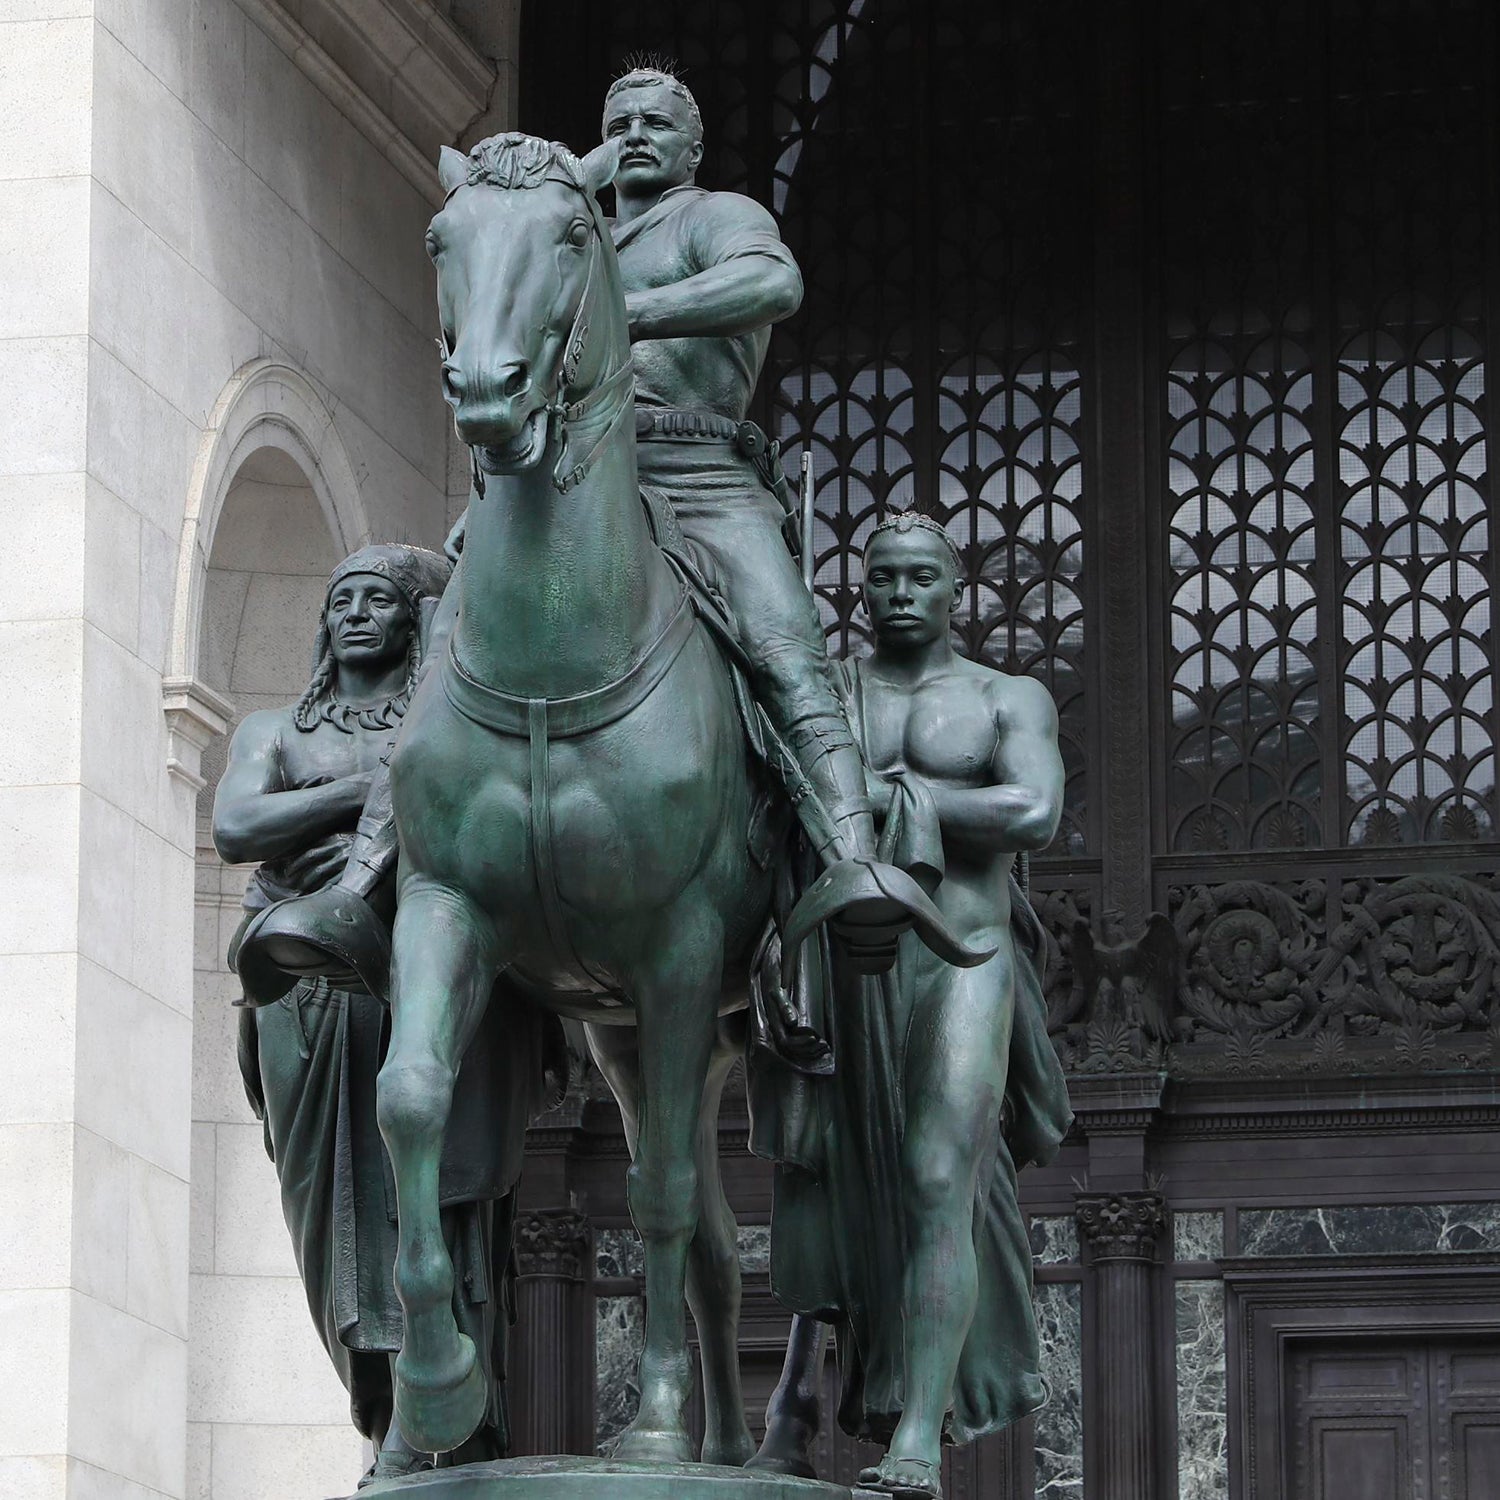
(871, 904)
(332, 934)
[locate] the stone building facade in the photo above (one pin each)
(215, 360)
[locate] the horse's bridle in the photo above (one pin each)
(614, 394)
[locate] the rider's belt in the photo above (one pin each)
(673, 422)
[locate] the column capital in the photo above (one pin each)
(1121, 1226)
(553, 1242)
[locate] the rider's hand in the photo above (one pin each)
(878, 789)
(454, 546)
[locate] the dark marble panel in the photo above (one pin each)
(1404, 1228)
(619, 1252)
(1198, 1235)
(1202, 1427)
(755, 1247)
(620, 1330)
(1054, 1239)
(1059, 1424)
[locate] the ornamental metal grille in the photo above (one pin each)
(1330, 649)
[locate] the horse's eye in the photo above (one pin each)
(578, 233)
(433, 246)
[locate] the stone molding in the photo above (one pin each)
(1121, 1226)
(553, 1242)
(399, 71)
(267, 403)
(195, 715)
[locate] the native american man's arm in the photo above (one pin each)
(1022, 809)
(256, 818)
(749, 278)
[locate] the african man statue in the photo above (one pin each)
(901, 1225)
(290, 798)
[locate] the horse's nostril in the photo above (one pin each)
(517, 381)
(453, 381)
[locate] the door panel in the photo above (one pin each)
(1357, 1459)
(1381, 1419)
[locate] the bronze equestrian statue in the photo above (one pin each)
(573, 793)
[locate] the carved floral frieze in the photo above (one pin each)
(1250, 977)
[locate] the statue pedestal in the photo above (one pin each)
(572, 1478)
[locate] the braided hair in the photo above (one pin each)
(417, 574)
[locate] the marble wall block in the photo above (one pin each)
(1389, 1229)
(1202, 1424)
(617, 1253)
(1054, 1239)
(619, 1332)
(1059, 1424)
(755, 1247)
(1198, 1236)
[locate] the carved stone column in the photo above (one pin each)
(550, 1374)
(1121, 1233)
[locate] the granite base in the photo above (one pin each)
(570, 1478)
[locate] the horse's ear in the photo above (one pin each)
(453, 168)
(600, 166)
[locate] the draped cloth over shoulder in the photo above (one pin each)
(838, 1230)
(309, 1063)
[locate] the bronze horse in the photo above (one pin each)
(571, 791)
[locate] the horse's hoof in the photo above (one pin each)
(441, 1409)
(732, 1452)
(793, 1465)
(647, 1445)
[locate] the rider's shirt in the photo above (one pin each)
(687, 231)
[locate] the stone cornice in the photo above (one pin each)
(194, 714)
(397, 70)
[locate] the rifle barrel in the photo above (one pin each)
(809, 561)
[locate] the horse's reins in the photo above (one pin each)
(542, 720)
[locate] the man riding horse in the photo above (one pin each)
(706, 275)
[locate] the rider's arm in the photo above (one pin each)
(748, 280)
(256, 818)
(1022, 809)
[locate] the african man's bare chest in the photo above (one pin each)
(943, 731)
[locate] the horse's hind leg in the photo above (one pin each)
(713, 1285)
(441, 978)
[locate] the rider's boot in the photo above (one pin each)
(867, 902)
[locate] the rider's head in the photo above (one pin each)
(912, 581)
(656, 121)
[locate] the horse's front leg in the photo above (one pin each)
(676, 997)
(442, 973)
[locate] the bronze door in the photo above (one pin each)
(1393, 1420)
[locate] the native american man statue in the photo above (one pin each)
(290, 798)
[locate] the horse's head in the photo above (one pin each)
(527, 290)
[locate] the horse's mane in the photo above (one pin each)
(513, 160)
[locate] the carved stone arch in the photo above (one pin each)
(266, 404)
